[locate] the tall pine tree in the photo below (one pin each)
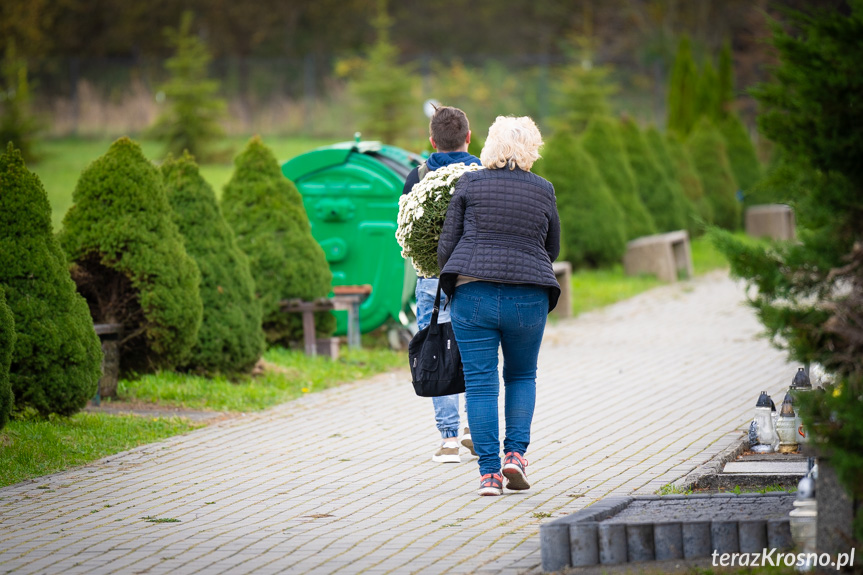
(191, 120)
(682, 92)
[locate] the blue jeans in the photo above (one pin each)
(446, 407)
(487, 316)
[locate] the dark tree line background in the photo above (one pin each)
(63, 38)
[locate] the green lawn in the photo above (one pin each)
(64, 159)
(592, 289)
(32, 448)
(292, 374)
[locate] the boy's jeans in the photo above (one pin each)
(487, 316)
(446, 407)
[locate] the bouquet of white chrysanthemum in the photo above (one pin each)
(422, 213)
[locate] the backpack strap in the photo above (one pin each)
(422, 170)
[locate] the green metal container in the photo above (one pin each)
(351, 192)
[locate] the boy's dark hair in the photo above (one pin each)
(449, 128)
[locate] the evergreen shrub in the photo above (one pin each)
(658, 147)
(682, 89)
(7, 344)
(602, 141)
(266, 213)
(689, 178)
(708, 150)
(665, 203)
(741, 153)
(230, 339)
(56, 362)
(129, 261)
(592, 223)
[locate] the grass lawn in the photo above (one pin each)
(64, 159)
(31, 448)
(592, 289)
(290, 375)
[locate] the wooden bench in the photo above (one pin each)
(109, 334)
(667, 256)
(346, 298)
(774, 221)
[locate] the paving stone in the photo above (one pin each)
(614, 417)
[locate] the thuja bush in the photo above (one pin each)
(129, 261)
(593, 232)
(230, 339)
(741, 153)
(707, 149)
(7, 344)
(602, 141)
(665, 203)
(56, 361)
(266, 212)
(659, 149)
(689, 178)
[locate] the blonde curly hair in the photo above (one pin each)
(512, 142)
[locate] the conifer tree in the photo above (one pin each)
(583, 89)
(654, 188)
(230, 340)
(191, 120)
(726, 81)
(17, 124)
(809, 292)
(707, 101)
(56, 362)
(707, 148)
(592, 224)
(658, 148)
(682, 90)
(384, 87)
(602, 141)
(741, 153)
(129, 261)
(266, 213)
(689, 178)
(7, 345)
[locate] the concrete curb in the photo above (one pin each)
(584, 538)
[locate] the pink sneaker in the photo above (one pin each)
(514, 470)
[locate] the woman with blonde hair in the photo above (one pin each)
(501, 233)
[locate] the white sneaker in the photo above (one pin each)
(447, 453)
(467, 441)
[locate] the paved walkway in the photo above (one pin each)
(630, 398)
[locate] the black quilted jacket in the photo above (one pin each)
(501, 226)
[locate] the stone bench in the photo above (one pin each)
(775, 221)
(667, 256)
(563, 273)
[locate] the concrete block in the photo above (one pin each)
(774, 221)
(328, 347)
(667, 256)
(612, 543)
(779, 534)
(554, 545)
(639, 542)
(584, 544)
(752, 535)
(724, 536)
(696, 539)
(668, 541)
(563, 273)
(833, 527)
